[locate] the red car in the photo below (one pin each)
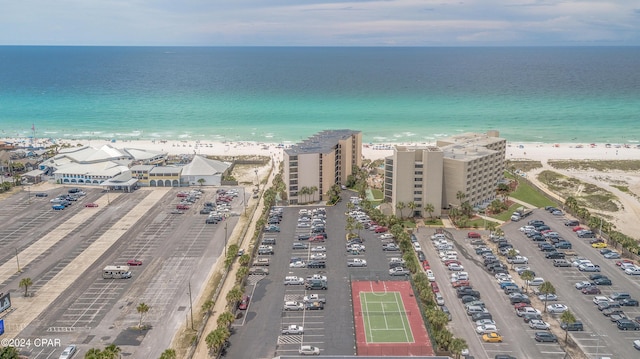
(473, 235)
(134, 262)
(182, 206)
(317, 238)
(244, 303)
(434, 287)
(577, 228)
(425, 265)
(181, 194)
(591, 290)
(381, 229)
(520, 305)
(91, 204)
(461, 283)
(621, 262)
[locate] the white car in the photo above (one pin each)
(485, 322)
(600, 299)
(430, 276)
(518, 260)
(462, 276)
(319, 249)
(416, 246)
(386, 236)
(68, 352)
(455, 267)
(536, 282)
(583, 284)
(486, 328)
(293, 329)
(501, 276)
(539, 324)
(309, 350)
(556, 308)
(526, 310)
(298, 264)
(315, 256)
(548, 297)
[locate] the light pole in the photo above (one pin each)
(191, 306)
(17, 260)
(257, 178)
(225, 240)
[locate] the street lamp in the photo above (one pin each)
(17, 260)
(191, 306)
(225, 240)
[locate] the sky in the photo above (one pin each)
(320, 22)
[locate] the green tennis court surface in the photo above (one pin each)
(384, 317)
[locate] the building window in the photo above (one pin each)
(417, 192)
(418, 179)
(417, 173)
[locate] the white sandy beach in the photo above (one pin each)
(530, 151)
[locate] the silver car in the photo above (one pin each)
(68, 352)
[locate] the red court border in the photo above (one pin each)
(422, 343)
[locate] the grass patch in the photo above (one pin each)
(433, 222)
(601, 166)
(624, 189)
(531, 195)
(377, 194)
(506, 215)
(523, 165)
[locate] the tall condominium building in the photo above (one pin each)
(470, 163)
(319, 162)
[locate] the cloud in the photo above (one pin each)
(319, 22)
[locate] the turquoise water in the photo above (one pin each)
(287, 94)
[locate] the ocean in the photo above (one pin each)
(285, 94)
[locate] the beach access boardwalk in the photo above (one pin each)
(28, 309)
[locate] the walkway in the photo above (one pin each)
(221, 304)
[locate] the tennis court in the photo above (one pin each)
(384, 317)
(387, 319)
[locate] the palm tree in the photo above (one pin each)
(201, 181)
(510, 254)
(460, 196)
(142, 309)
(400, 206)
(169, 354)
(545, 289)
(234, 296)
(244, 260)
(211, 339)
(457, 345)
(568, 318)
(491, 226)
(429, 208)
(225, 319)
(112, 351)
(207, 306)
(350, 224)
(412, 206)
(241, 274)
(358, 226)
(93, 353)
(25, 283)
(312, 192)
(527, 276)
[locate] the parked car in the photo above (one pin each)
(308, 350)
(591, 290)
(545, 337)
(556, 308)
(539, 324)
(492, 338)
(244, 303)
(548, 297)
(68, 352)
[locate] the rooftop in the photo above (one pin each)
(321, 142)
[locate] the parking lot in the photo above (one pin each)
(177, 250)
(330, 329)
(600, 337)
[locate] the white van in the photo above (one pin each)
(438, 236)
(293, 305)
(293, 280)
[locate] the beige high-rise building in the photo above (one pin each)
(470, 163)
(319, 162)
